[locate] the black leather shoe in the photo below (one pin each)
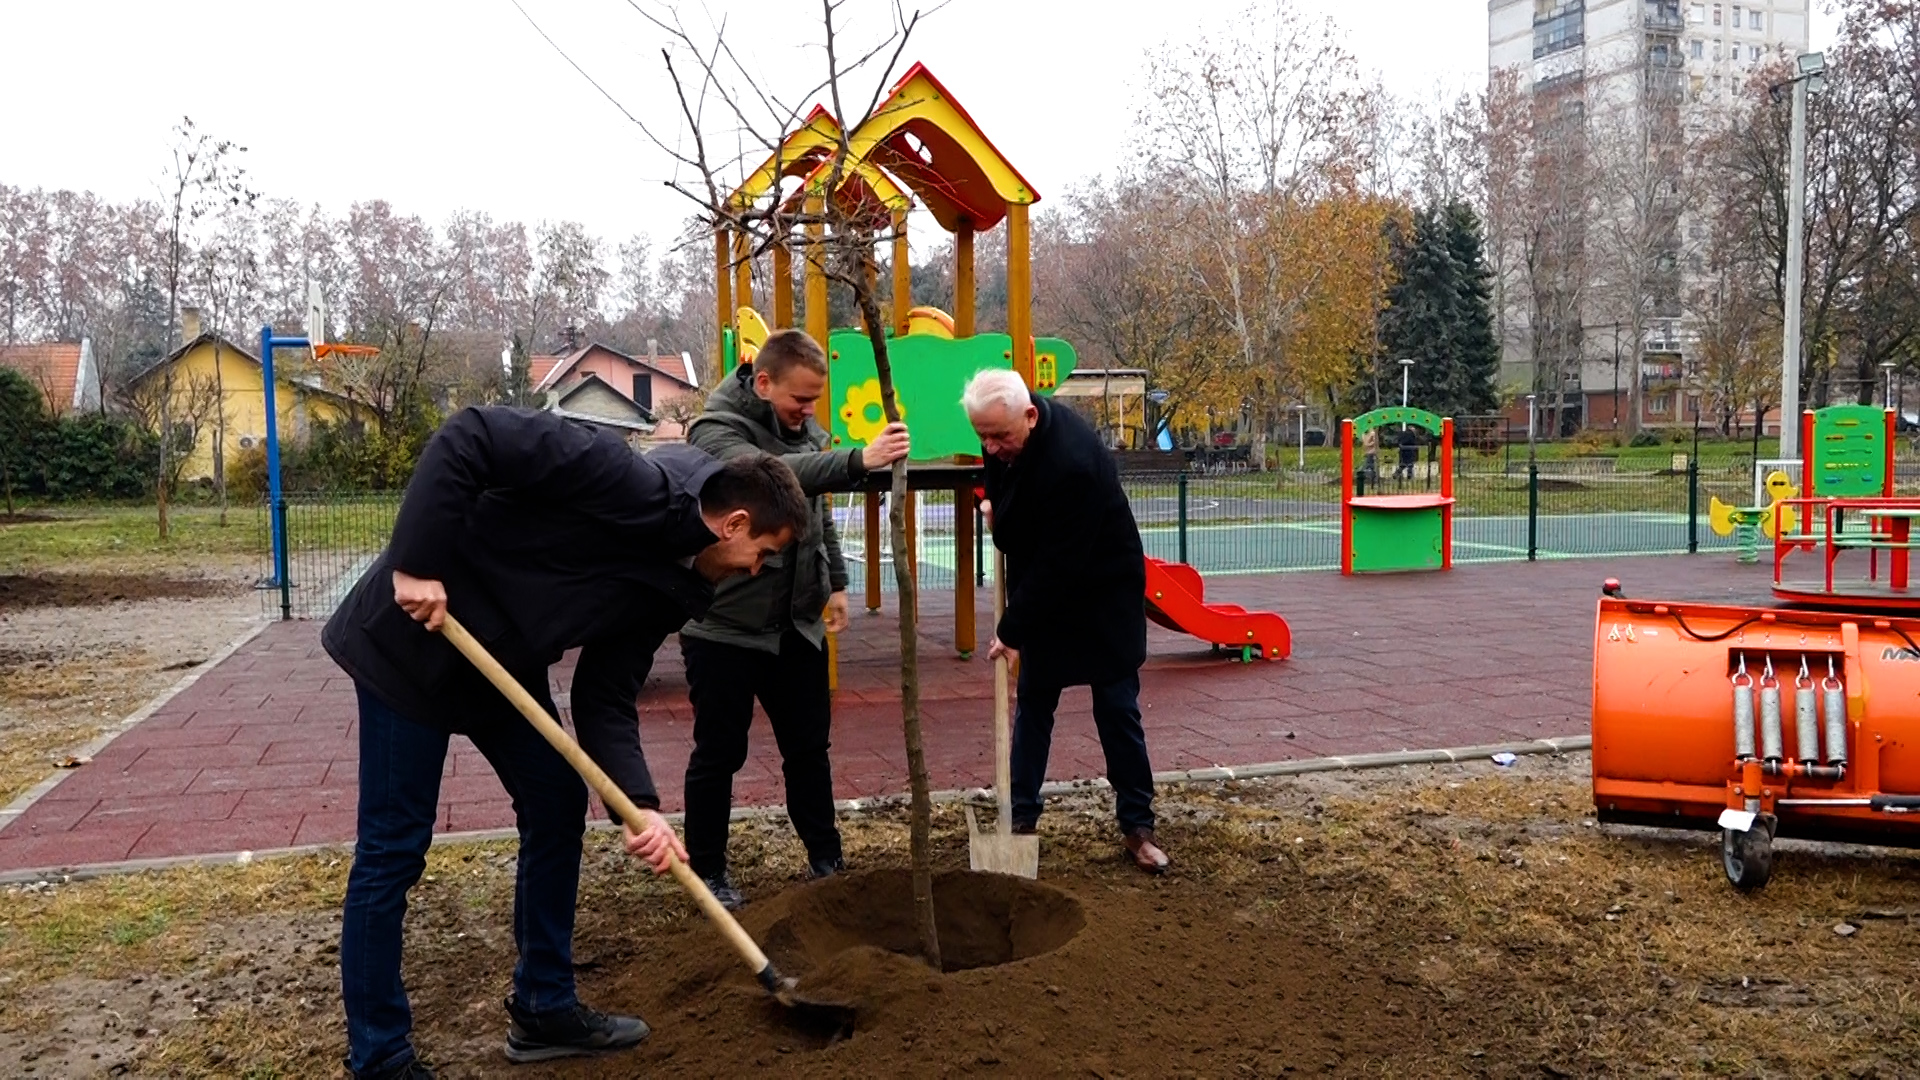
(721, 886)
(825, 868)
(410, 1069)
(574, 1032)
(1025, 828)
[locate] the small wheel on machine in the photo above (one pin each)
(1747, 856)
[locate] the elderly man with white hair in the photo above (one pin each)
(1076, 593)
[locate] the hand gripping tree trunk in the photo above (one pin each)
(920, 816)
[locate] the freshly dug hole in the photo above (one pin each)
(984, 920)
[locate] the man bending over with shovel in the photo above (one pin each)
(543, 535)
(1076, 594)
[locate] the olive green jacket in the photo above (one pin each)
(792, 589)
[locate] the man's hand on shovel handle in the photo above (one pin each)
(654, 840)
(422, 598)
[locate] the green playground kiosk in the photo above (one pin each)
(1382, 533)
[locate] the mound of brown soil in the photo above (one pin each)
(1081, 974)
(20, 591)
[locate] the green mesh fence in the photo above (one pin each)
(1238, 523)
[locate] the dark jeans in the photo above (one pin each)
(724, 681)
(1116, 715)
(400, 767)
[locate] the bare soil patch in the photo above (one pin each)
(1430, 922)
(19, 592)
(25, 517)
(81, 650)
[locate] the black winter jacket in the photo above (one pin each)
(1076, 573)
(548, 535)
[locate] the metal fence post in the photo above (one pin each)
(1533, 512)
(979, 546)
(280, 558)
(1693, 504)
(1183, 517)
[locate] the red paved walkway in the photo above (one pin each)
(260, 752)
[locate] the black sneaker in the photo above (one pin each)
(410, 1069)
(721, 886)
(574, 1032)
(826, 868)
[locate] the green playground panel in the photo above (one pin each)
(1397, 414)
(1849, 452)
(1399, 539)
(929, 373)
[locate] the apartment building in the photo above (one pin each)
(1680, 61)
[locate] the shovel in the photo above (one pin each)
(1001, 852)
(835, 1016)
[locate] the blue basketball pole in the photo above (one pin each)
(277, 503)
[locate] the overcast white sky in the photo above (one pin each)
(438, 105)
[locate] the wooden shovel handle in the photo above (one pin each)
(1002, 723)
(602, 784)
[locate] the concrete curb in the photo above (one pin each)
(100, 742)
(1450, 756)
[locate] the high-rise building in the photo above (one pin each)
(1590, 70)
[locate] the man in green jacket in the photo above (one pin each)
(764, 637)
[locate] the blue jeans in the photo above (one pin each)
(400, 766)
(1116, 715)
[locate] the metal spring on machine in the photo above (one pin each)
(1834, 704)
(1743, 712)
(1770, 735)
(1806, 716)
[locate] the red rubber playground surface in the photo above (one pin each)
(259, 752)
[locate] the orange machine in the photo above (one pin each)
(1762, 722)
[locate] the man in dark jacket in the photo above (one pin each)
(765, 637)
(1076, 593)
(540, 535)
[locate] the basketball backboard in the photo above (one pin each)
(316, 314)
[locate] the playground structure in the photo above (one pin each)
(920, 145)
(1384, 533)
(1817, 737)
(1177, 600)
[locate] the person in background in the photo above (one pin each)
(1409, 446)
(1075, 610)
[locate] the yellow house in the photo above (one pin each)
(217, 384)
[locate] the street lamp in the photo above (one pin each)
(1406, 369)
(1810, 79)
(1530, 427)
(1888, 366)
(1301, 411)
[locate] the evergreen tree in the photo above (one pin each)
(1439, 315)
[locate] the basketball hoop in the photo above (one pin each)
(335, 348)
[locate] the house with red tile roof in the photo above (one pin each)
(648, 383)
(63, 371)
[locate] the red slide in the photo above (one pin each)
(1176, 599)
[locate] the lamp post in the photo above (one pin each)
(1530, 427)
(1406, 370)
(1888, 366)
(1810, 78)
(1301, 411)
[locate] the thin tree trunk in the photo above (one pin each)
(166, 438)
(920, 819)
(220, 430)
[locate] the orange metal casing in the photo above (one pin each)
(1663, 744)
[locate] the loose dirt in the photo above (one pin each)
(1431, 922)
(81, 650)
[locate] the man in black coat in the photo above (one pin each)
(540, 535)
(1076, 593)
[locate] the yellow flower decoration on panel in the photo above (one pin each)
(863, 414)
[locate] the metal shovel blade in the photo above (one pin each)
(1001, 852)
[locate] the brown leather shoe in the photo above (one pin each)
(1145, 853)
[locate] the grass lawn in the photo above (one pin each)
(112, 534)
